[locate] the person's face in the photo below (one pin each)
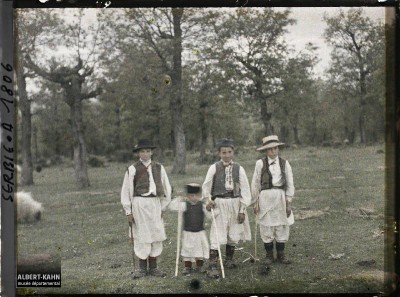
(226, 154)
(273, 152)
(145, 154)
(193, 197)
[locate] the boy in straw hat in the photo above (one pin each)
(272, 191)
(227, 190)
(145, 195)
(195, 247)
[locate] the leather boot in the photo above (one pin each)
(187, 269)
(142, 271)
(230, 250)
(269, 248)
(213, 271)
(153, 267)
(199, 266)
(280, 247)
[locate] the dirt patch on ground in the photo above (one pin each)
(303, 214)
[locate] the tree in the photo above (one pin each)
(32, 28)
(72, 81)
(252, 43)
(160, 30)
(358, 50)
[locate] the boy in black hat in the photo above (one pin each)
(227, 190)
(195, 246)
(145, 195)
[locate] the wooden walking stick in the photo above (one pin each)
(178, 239)
(219, 248)
(133, 248)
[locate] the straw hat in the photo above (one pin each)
(269, 142)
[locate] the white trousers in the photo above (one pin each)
(145, 250)
(279, 233)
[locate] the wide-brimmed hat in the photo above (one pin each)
(143, 144)
(193, 188)
(225, 142)
(269, 142)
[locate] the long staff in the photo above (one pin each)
(219, 248)
(179, 232)
(256, 229)
(133, 248)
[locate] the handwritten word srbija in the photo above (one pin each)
(6, 94)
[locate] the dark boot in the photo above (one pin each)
(230, 250)
(153, 267)
(280, 247)
(269, 248)
(213, 271)
(187, 269)
(199, 266)
(142, 271)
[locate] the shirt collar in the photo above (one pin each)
(272, 160)
(227, 164)
(147, 163)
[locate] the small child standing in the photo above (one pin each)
(195, 246)
(272, 192)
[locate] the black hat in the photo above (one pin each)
(193, 188)
(142, 144)
(225, 142)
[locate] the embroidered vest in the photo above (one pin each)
(266, 176)
(218, 187)
(141, 180)
(193, 217)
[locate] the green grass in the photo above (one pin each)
(88, 229)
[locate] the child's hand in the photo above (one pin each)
(241, 218)
(211, 205)
(288, 210)
(131, 220)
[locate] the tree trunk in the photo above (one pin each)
(265, 116)
(203, 130)
(176, 98)
(26, 130)
(80, 165)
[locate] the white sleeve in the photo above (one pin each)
(207, 185)
(256, 181)
(167, 189)
(125, 193)
(245, 199)
(289, 182)
(177, 205)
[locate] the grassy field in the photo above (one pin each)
(338, 206)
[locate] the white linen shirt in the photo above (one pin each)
(276, 178)
(128, 188)
(245, 198)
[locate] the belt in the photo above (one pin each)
(151, 195)
(280, 187)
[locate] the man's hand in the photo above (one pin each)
(131, 220)
(241, 218)
(211, 205)
(256, 209)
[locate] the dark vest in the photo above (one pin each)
(266, 176)
(218, 187)
(141, 180)
(193, 217)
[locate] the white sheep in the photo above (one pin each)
(28, 210)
